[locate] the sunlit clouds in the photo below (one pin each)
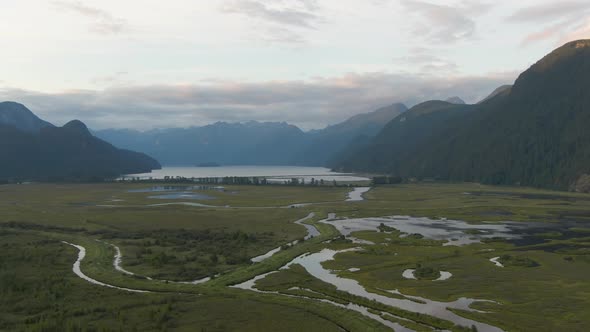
(146, 64)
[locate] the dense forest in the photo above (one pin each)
(534, 133)
(33, 149)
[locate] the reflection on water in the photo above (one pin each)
(444, 275)
(281, 173)
(311, 232)
(409, 274)
(183, 195)
(496, 262)
(455, 232)
(156, 189)
(313, 264)
(78, 271)
(357, 194)
(187, 204)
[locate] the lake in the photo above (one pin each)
(272, 173)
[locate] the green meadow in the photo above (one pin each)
(541, 287)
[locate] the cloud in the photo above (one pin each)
(308, 104)
(103, 22)
(282, 20)
(549, 11)
(294, 13)
(445, 23)
(427, 62)
(581, 31)
(115, 78)
(561, 21)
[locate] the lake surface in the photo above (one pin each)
(183, 195)
(273, 173)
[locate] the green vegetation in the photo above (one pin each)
(426, 273)
(38, 292)
(540, 283)
(508, 260)
(405, 323)
(40, 151)
(533, 135)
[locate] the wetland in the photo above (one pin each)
(398, 257)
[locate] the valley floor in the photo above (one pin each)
(409, 257)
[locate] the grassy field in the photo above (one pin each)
(469, 202)
(541, 288)
(38, 292)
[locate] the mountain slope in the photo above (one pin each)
(17, 115)
(250, 143)
(327, 143)
(455, 100)
(501, 90)
(69, 153)
(400, 138)
(533, 134)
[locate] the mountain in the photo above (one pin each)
(325, 144)
(400, 138)
(60, 153)
(17, 115)
(534, 133)
(250, 143)
(504, 89)
(455, 100)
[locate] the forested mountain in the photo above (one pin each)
(251, 143)
(534, 133)
(504, 89)
(398, 142)
(323, 145)
(34, 149)
(17, 115)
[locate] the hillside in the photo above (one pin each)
(18, 116)
(325, 144)
(69, 152)
(532, 134)
(401, 138)
(251, 143)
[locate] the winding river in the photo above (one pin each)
(356, 195)
(312, 231)
(76, 269)
(313, 264)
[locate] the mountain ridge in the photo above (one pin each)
(17, 115)
(38, 150)
(250, 142)
(531, 134)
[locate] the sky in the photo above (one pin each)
(178, 63)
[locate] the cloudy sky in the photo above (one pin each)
(176, 63)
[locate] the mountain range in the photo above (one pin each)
(34, 149)
(533, 133)
(251, 143)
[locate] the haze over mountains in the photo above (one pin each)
(35, 149)
(531, 133)
(251, 143)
